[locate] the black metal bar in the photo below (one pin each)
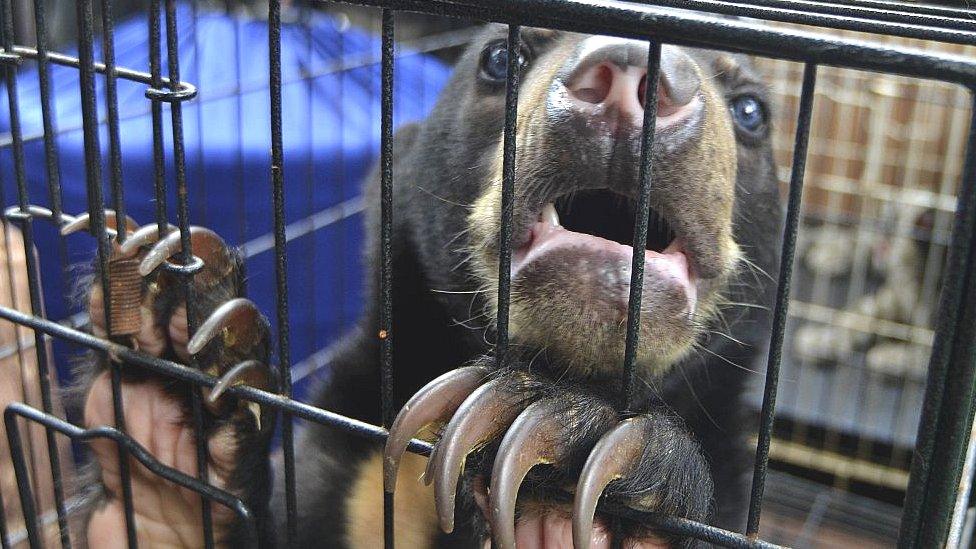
(112, 106)
(508, 192)
(19, 462)
(667, 25)
(902, 7)
(386, 250)
(887, 22)
(93, 180)
(156, 81)
(53, 423)
(642, 21)
(186, 256)
(51, 153)
(782, 297)
(281, 273)
(185, 88)
(182, 372)
(948, 404)
(690, 528)
(640, 223)
(895, 12)
(33, 269)
(23, 361)
(47, 117)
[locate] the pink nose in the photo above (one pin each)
(614, 77)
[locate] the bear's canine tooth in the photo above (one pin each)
(549, 214)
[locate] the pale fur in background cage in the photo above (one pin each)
(883, 170)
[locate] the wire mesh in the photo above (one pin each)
(947, 405)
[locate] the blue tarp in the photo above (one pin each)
(331, 116)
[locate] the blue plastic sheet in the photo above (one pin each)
(331, 128)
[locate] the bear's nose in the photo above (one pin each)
(611, 74)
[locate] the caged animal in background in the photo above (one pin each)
(556, 400)
(887, 287)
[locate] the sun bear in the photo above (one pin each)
(528, 442)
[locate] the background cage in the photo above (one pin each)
(852, 181)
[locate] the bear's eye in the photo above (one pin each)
(494, 61)
(748, 113)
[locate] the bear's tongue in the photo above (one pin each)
(547, 234)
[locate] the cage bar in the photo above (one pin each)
(54, 424)
(51, 158)
(640, 223)
(920, 26)
(628, 20)
(513, 72)
(386, 251)
(947, 410)
(922, 15)
(156, 83)
(782, 297)
(895, 5)
(188, 263)
(51, 155)
(281, 272)
(112, 108)
(96, 212)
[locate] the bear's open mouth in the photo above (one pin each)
(609, 215)
(600, 223)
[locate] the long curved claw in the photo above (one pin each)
(532, 439)
(480, 418)
(434, 403)
(83, 222)
(143, 236)
(158, 254)
(246, 373)
(429, 470)
(207, 245)
(250, 372)
(39, 212)
(615, 456)
(236, 316)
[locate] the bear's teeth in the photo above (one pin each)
(549, 214)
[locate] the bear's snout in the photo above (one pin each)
(606, 78)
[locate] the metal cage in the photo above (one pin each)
(943, 431)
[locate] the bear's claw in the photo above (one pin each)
(536, 424)
(155, 305)
(83, 222)
(480, 419)
(241, 333)
(144, 236)
(218, 261)
(535, 437)
(614, 457)
(431, 406)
